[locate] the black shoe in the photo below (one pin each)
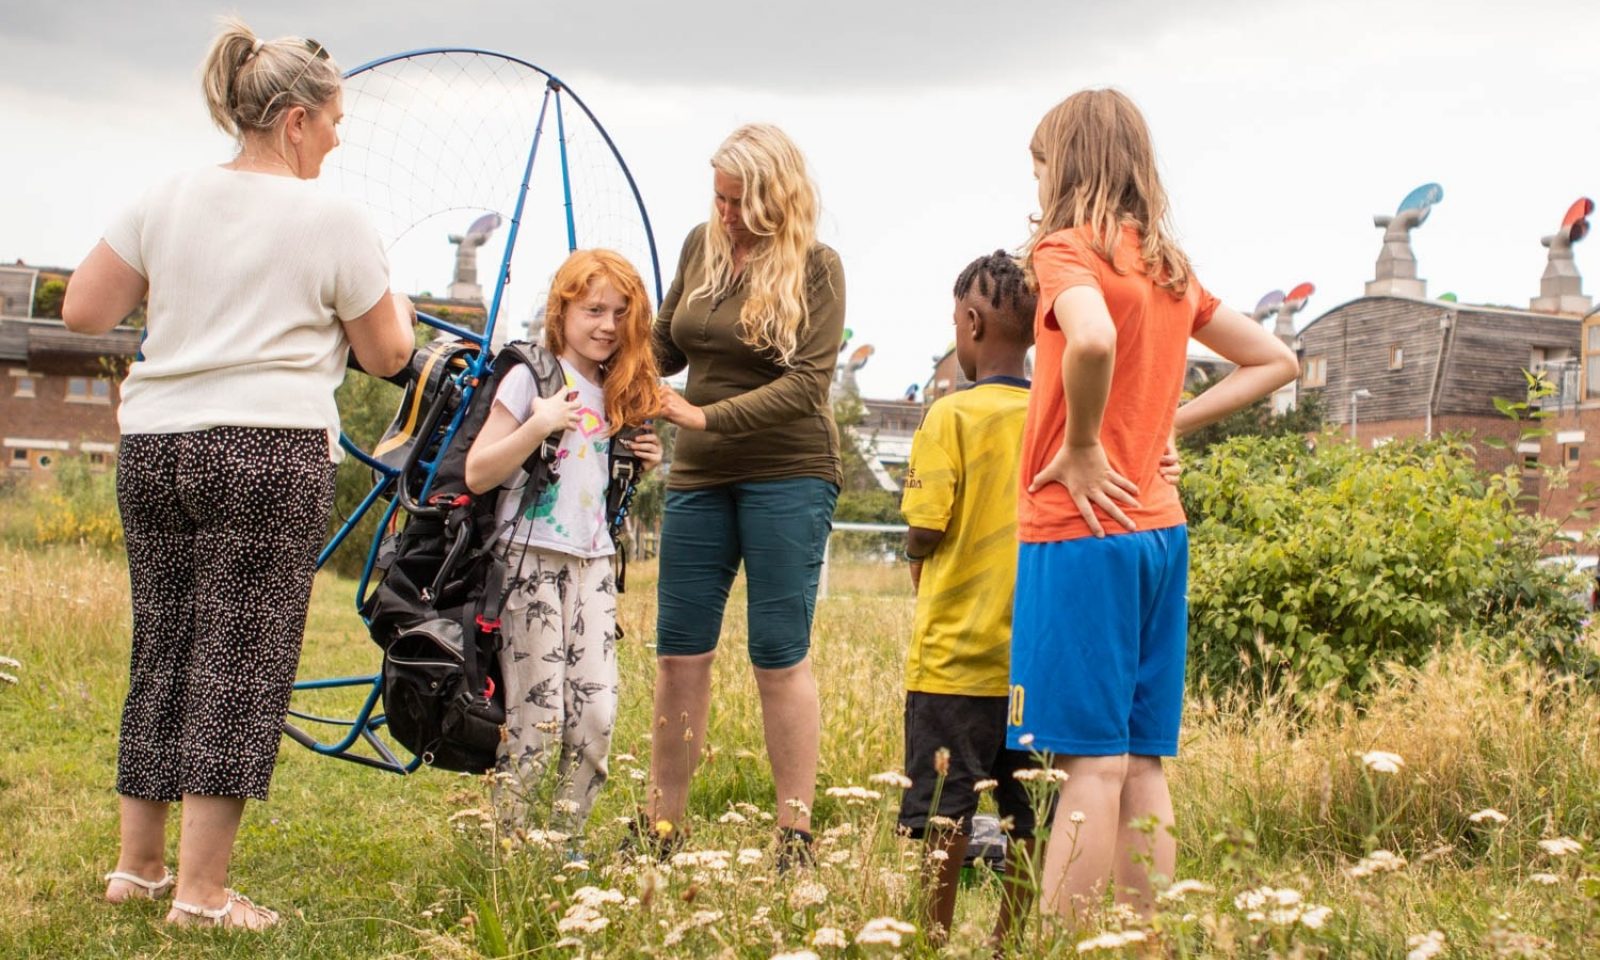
(641, 839)
(794, 849)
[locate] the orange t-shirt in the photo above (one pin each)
(1153, 330)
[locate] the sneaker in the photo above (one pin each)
(794, 849)
(642, 839)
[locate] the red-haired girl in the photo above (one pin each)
(559, 665)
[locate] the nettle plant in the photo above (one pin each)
(1316, 562)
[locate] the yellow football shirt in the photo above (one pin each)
(962, 479)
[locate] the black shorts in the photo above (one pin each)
(973, 729)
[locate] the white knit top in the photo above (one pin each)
(250, 275)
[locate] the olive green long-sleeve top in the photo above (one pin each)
(764, 420)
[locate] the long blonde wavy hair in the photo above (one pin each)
(1099, 171)
(780, 208)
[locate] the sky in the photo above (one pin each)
(1281, 129)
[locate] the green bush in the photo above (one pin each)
(80, 506)
(1317, 563)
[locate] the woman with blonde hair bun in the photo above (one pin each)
(259, 285)
(756, 314)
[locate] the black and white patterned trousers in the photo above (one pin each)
(559, 666)
(222, 528)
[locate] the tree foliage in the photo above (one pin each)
(1321, 562)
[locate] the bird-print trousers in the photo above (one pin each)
(222, 528)
(559, 667)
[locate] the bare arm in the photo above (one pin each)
(1086, 366)
(1264, 363)
(382, 338)
(101, 292)
(503, 445)
(920, 541)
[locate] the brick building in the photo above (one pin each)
(58, 393)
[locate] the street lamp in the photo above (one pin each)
(1357, 395)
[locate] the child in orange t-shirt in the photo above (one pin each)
(1101, 620)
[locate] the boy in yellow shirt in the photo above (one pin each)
(961, 505)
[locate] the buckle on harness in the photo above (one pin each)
(487, 626)
(459, 500)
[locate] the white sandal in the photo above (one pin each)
(223, 916)
(142, 888)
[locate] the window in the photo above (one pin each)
(19, 458)
(1397, 357)
(88, 390)
(1594, 338)
(1591, 376)
(1315, 372)
(97, 461)
(1530, 461)
(1574, 454)
(25, 385)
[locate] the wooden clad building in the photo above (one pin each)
(1404, 367)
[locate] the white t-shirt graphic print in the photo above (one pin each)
(569, 516)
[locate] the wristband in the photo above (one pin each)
(907, 555)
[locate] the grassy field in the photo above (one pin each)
(1277, 813)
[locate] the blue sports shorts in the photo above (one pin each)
(1098, 642)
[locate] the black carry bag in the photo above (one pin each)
(436, 613)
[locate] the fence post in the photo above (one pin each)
(822, 586)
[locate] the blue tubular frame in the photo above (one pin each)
(566, 176)
(366, 723)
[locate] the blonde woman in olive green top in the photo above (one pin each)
(756, 314)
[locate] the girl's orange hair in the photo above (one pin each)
(1100, 173)
(630, 378)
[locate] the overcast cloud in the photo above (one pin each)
(1281, 128)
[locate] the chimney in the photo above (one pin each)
(1397, 265)
(1561, 288)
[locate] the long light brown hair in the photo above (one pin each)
(629, 377)
(1099, 172)
(780, 208)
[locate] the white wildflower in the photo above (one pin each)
(1378, 861)
(1488, 815)
(596, 897)
(1316, 917)
(939, 822)
(733, 816)
(854, 796)
(796, 955)
(625, 758)
(1077, 816)
(1544, 879)
(1425, 946)
(1113, 940)
(1382, 761)
(703, 859)
(806, 894)
(838, 857)
(938, 856)
(749, 856)
(575, 866)
(884, 931)
(1183, 888)
(1267, 896)
(1560, 846)
(891, 778)
(984, 786)
(705, 918)
(1026, 740)
(565, 806)
(1030, 774)
(581, 918)
(9, 662)
(830, 937)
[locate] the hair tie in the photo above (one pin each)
(255, 48)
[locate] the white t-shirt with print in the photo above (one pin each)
(570, 515)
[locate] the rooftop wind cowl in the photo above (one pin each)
(1561, 289)
(1397, 265)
